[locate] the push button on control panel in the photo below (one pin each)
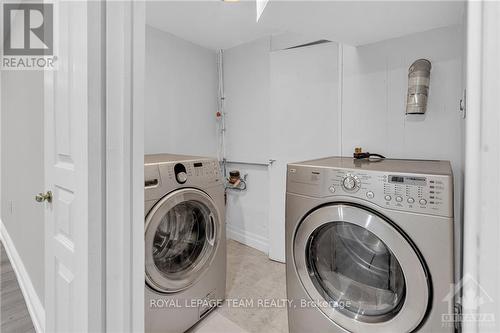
(411, 200)
(399, 199)
(423, 202)
(388, 198)
(370, 195)
(332, 189)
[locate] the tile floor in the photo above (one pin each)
(250, 276)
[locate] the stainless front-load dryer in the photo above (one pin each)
(369, 246)
(185, 241)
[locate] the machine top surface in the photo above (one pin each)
(433, 167)
(169, 158)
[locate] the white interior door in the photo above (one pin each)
(66, 174)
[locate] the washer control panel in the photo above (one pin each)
(195, 172)
(188, 173)
(419, 193)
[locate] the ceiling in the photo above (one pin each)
(216, 24)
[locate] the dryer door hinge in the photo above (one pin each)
(458, 317)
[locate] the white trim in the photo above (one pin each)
(137, 176)
(248, 238)
(96, 165)
(125, 56)
(118, 182)
(482, 180)
(472, 142)
(33, 303)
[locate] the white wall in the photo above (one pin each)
(372, 111)
(304, 114)
(181, 96)
(22, 170)
(246, 82)
(246, 92)
(279, 105)
(247, 212)
(284, 105)
(375, 85)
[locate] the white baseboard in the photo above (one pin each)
(248, 238)
(35, 306)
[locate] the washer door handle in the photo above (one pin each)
(212, 229)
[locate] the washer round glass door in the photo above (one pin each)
(360, 271)
(181, 236)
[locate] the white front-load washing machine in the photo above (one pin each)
(369, 246)
(185, 241)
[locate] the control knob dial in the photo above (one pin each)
(181, 177)
(351, 183)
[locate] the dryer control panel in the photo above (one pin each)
(419, 193)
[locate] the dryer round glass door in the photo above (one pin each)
(182, 234)
(363, 272)
(350, 265)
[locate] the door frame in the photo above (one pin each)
(115, 169)
(96, 153)
(125, 23)
(125, 57)
(482, 180)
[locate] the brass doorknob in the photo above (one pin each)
(41, 197)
